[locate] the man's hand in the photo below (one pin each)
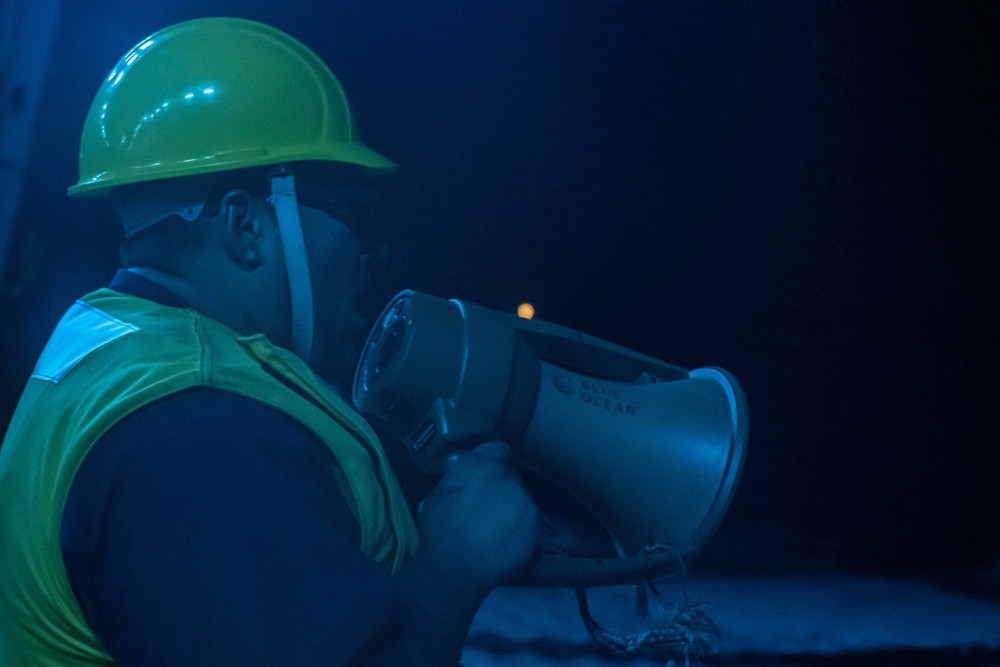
(478, 528)
(479, 520)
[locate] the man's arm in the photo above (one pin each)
(209, 529)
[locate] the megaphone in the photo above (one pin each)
(652, 450)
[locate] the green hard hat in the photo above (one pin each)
(212, 95)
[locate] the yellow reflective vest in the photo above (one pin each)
(110, 355)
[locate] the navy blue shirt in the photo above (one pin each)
(209, 529)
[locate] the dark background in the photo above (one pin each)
(804, 193)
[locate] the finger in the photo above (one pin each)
(494, 450)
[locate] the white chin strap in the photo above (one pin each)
(286, 209)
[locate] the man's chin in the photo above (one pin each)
(337, 372)
(342, 374)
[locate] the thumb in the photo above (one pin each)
(494, 450)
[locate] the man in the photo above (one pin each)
(181, 483)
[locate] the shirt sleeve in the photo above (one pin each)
(209, 529)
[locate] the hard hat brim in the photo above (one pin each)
(352, 153)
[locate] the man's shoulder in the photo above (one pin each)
(83, 329)
(106, 331)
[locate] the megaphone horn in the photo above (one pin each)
(652, 450)
(655, 462)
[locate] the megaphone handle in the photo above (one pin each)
(557, 570)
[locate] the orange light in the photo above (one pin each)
(526, 310)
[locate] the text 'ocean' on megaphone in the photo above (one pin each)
(652, 450)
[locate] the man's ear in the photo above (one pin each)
(242, 229)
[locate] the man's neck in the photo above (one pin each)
(196, 298)
(161, 278)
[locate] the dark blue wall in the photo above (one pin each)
(801, 192)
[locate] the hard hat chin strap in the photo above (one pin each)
(286, 210)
